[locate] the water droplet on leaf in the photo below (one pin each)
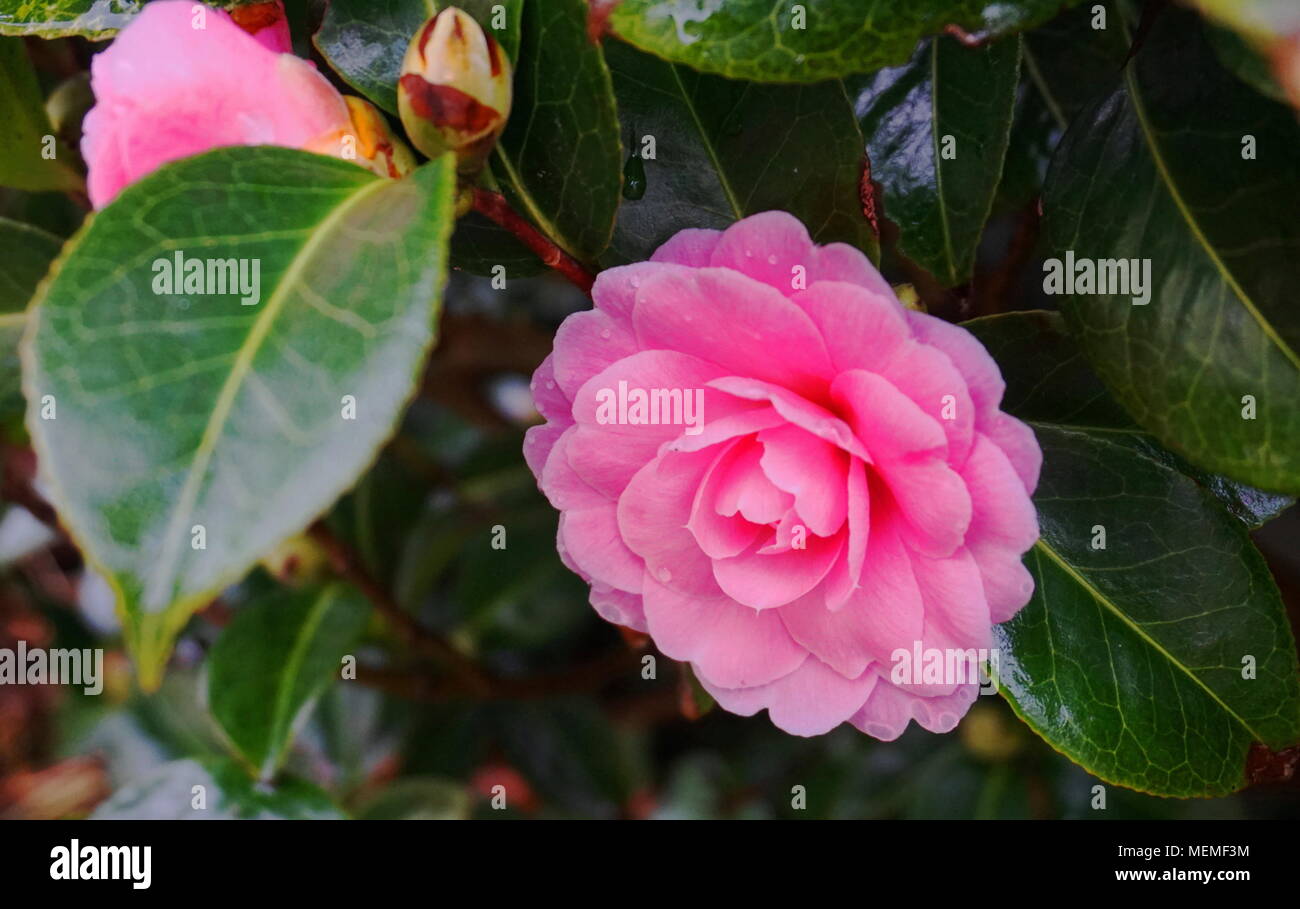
(634, 178)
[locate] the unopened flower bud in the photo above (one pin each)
(382, 151)
(297, 561)
(454, 91)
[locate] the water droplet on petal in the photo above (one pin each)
(771, 260)
(664, 575)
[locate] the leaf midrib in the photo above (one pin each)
(281, 716)
(1138, 630)
(938, 161)
(164, 573)
(708, 144)
(1166, 177)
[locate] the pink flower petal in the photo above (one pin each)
(810, 469)
(846, 576)
(771, 247)
(742, 487)
(728, 319)
(549, 400)
(593, 541)
(563, 487)
(725, 641)
(619, 607)
(841, 262)
(614, 292)
(692, 246)
(741, 423)
(718, 534)
(1020, 445)
(889, 709)
(983, 378)
(811, 700)
(652, 516)
(165, 90)
(801, 412)
(880, 617)
(862, 329)
(889, 423)
(1004, 525)
(928, 378)
(586, 344)
(766, 581)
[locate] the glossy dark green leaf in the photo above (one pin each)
(1244, 62)
(724, 150)
(269, 667)
(1160, 171)
(365, 40)
(93, 19)
(478, 246)
(1032, 345)
(937, 130)
(25, 256)
(767, 41)
(1071, 60)
(23, 140)
(560, 160)
(1130, 659)
(1064, 64)
(181, 414)
(227, 793)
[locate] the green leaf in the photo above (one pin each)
(1156, 172)
(419, 799)
(269, 667)
(1130, 659)
(25, 256)
(93, 19)
(479, 245)
(724, 150)
(365, 40)
(1070, 62)
(937, 130)
(1064, 64)
(560, 160)
(570, 753)
(180, 410)
(1244, 62)
(23, 143)
(228, 793)
(762, 40)
(1031, 345)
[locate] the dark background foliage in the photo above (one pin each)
(568, 722)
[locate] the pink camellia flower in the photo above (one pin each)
(181, 79)
(785, 478)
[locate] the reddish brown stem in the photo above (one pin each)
(348, 566)
(494, 206)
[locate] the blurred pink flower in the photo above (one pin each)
(167, 88)
(784, 477)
